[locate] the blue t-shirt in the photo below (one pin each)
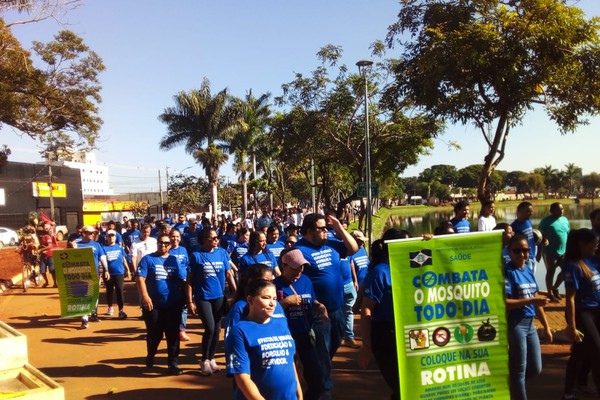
(236, 313)
(325, 271)
(461, 225)
(181, 254)
(180, 226)
(346, 270)
(299, 317)
(520, 284)
(378, 287)
(266, 353)
(266, 257)
(525, 228)
(114, 256)
(97, 249)
(237, 251)
(163, 277)
(208, 273)
(225, 239)
(131, 236)
(587, 290)
(191, 241)
(361, 265)
(276, 248)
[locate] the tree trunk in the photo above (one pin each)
(493, 158)
(244, 194)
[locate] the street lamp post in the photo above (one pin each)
(363, 65)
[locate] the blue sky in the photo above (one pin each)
(151, 52)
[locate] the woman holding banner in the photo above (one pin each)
(524, 352)
(377, 314)
(582, 281)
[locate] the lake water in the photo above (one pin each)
(577, 214)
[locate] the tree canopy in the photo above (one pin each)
(488, 62)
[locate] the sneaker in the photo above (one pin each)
(84, 322)
(94, 317)
(214, 367)
(183, 336)
(122, 315)
(205, 368)
(110, 311)
(353, 344)
(174, 371)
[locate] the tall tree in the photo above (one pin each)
(487, 62)
(572, 177)
(58, 99)
(255, 114)
(327, 123)
(203, 122)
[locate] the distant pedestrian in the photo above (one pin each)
(486, 221)
(555, 228)
(523, 225)
(460, 222)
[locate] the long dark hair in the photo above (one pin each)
(253, 245)
(379, 250)
(253, 273)
(573, 253)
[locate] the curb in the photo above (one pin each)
(9, 283)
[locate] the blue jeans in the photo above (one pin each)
(349, 299)
(524, 355)
(328, 337)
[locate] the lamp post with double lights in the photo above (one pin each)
(363, 66)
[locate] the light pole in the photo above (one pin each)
(363, 65)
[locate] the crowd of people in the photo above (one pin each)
(286, 290)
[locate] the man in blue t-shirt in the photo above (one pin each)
(101, 266)
(324, 270)
(161, 282)
(522, 224)
(461, 217)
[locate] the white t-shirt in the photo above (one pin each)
(486, 223)
(140, 248)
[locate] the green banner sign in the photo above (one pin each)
(450, 317)
(78, 284)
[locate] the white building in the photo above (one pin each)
(94, 177)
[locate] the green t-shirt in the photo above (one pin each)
(556, 231)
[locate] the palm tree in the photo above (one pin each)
(199, 118)
(572, 175)
(255, 114)
(549, 175)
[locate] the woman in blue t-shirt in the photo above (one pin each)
(260, 350)
(582, 281)
(206, 285)
(524, 353)
(377, 313)
(258, 254)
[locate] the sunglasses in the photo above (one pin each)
(164, 243)
(520, 251)
(213, 238)
(321, 228)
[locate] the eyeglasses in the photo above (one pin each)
(321, 228)
(213, 238)
(520, 251)
(164, 243)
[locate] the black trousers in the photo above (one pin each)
(159, 321)
(383, 346)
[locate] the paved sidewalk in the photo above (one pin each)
(109, 356)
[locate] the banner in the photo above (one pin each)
(450, 316)
(42, 189)
(78, 284)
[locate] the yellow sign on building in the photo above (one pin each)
(42, 189)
